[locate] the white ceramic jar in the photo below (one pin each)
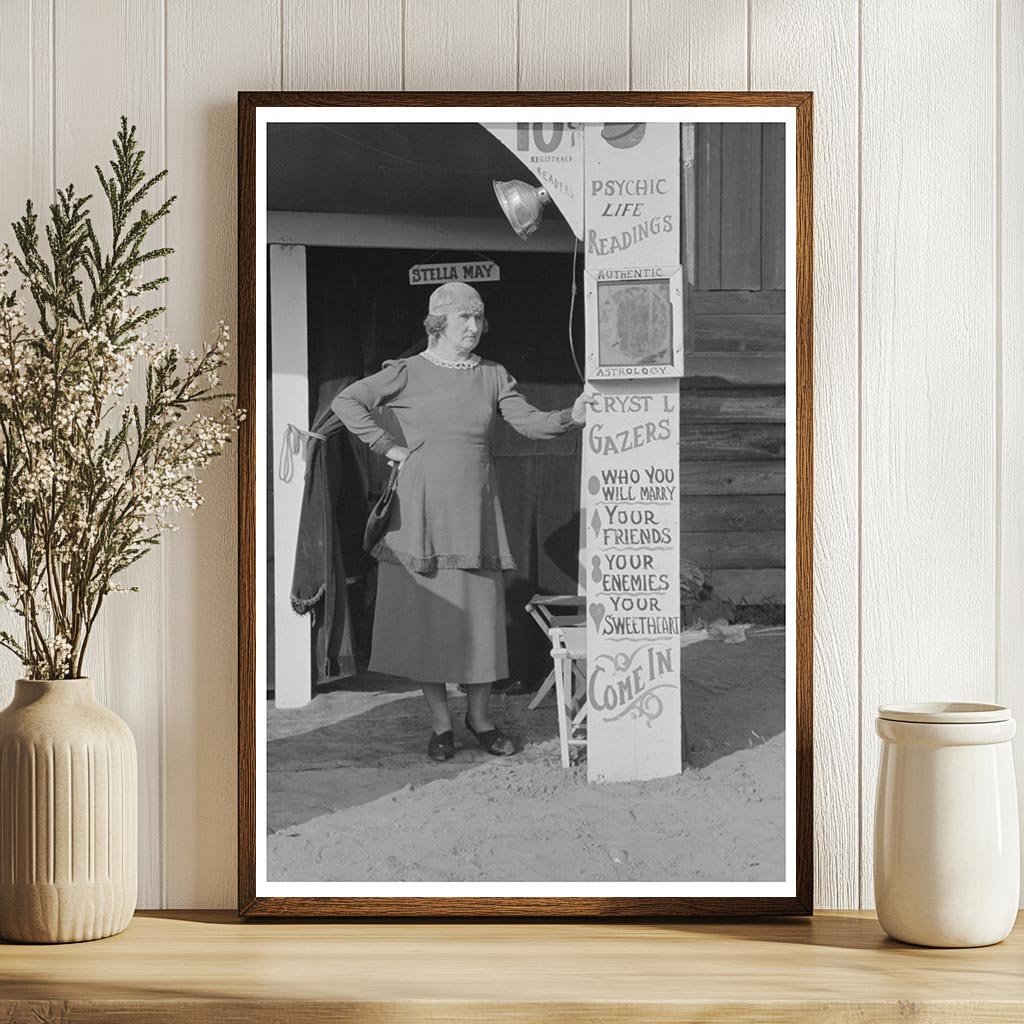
(947, 847)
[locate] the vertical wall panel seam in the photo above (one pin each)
(629, 42)
(403, 44)
(860, 454)
(32, 90)
(53, 97)
(997, 233)
(750, 20)
(519, 37)
(162, 694)
(280, 41)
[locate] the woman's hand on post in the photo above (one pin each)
(397, 454)
(579, 407)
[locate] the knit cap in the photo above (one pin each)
(456, 297)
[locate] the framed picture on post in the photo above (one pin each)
(525, 504)
(638, 313)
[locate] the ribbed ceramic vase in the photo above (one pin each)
(68, 815)
(947, 847)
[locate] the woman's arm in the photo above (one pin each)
(530, 421)
(353, 405)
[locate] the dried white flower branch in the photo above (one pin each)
(90, 478)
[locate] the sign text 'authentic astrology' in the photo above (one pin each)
(638, 313)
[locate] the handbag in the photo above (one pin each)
(377, 523)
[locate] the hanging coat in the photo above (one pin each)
(332, 499)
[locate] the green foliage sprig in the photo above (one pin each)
(89, 476)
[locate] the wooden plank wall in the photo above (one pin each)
(734, 396)
(919, 463)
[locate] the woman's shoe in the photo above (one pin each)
(441, 747)
(494, 741)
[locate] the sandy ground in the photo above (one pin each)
(352, 796)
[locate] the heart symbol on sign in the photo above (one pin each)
(597, 614)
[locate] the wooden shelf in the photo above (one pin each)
(210, 967)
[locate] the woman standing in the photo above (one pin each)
(440, 614)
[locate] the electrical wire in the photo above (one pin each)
(572, 306)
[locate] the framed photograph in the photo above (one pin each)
(639, 316)
(525, 493)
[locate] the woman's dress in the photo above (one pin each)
(440, 612)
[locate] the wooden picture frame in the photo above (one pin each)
(253, 899)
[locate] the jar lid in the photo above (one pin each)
(945, 713)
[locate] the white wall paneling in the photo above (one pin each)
(26, 160)
(928, 363)
(126, 655)
(213, 50)
(701, 44)
(832, 74)
(341, 44)
(573, 44)
(919, 305)
(26, 106)
(466, 45)
(1009, 313)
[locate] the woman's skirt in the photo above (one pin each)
(448, 627)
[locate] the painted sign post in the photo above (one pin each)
(631, 451)
(618, 186)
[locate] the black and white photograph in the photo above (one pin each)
(525, 503)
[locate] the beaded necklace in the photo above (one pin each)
(451, 364)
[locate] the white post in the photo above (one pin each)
(631, 450)
(289, 403)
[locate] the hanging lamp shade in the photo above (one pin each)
(522, 204)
